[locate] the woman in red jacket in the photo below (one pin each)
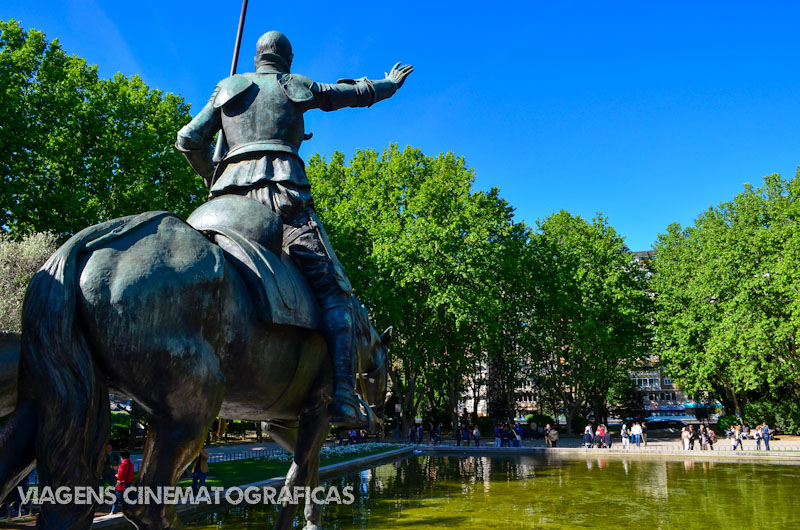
(124, 478)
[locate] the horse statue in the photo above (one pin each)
(191, 320)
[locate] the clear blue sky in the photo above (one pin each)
(648, 112)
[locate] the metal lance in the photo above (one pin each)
(219, 151)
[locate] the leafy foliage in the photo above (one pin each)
(591, 312)
(727, 304)
(19, 261)
(783, 414)
(427, 255)
(726, 422)
(78, 150)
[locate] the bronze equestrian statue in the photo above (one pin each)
(261, 116)
(201, 318)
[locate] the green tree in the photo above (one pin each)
(77, 149)
(591, 312)
(424, 253)
(727, 302)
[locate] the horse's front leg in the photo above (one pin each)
(312, 430)
(313, 510)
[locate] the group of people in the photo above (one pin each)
(634, 434)
(508, 435)
(600, 438)
(351, 436)
(704, 437)
(465, 432)
(738, 433)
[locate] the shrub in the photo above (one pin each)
(121, 418)
(726, 422)
(785, 415)
(19, 261)
(119, 435)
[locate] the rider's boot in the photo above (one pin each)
(345, 410)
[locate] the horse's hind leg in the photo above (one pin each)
(182, 413)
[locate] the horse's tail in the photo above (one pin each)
(58, 374)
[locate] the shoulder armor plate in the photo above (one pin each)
(231, 87)
(295, 89)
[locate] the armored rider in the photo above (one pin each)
(261, 117)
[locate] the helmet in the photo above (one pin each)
(275, 44)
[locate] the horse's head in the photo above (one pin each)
(372, 361)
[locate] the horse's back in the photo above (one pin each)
(149, 299)
(165, 310)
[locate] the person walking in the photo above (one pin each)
(692, 437)
(702, 438)
(765, 434)
(553, 435)
(598, 436)
(625, 432)
(643, 436)
(124, 480)
(736, 438)
(546, 432)
(476, 436)
(636, 432)
(607, 439)
(712, 438)
(200, 471)
(685, 438)
(508, 436)
(111, 462)
(757, 434)
(498, 436)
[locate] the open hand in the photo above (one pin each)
(399, 73)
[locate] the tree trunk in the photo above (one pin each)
(452, 402)
(738, 405)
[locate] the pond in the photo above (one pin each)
(554, 492)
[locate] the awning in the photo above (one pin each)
(692, 405)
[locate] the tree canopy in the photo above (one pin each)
(591, 315)
(426, 254)
(727, 304)
(77, 149)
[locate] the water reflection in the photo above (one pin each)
(553, 492)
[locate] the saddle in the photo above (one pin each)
(251, 235)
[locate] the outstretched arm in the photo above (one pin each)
(359, 92)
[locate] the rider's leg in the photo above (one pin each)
(307, 244)
(310, 249)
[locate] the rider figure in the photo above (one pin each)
(261, 116)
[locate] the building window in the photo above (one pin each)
(667, 381)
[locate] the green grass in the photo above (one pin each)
(238, 472)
